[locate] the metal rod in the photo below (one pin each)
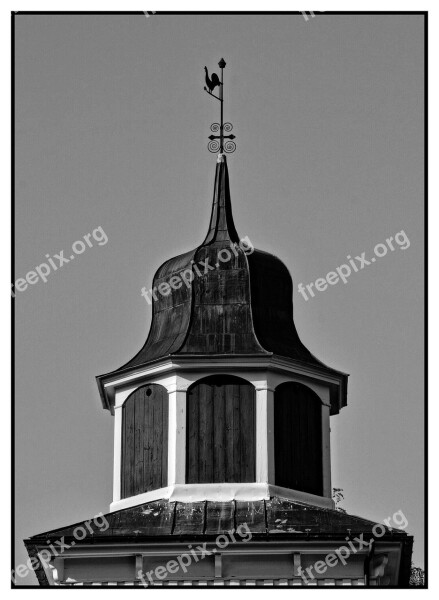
(210, 94)
(221, 124)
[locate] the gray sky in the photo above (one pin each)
(111, 130)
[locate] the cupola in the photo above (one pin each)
(223, 401)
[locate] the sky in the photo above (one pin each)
(111, 133)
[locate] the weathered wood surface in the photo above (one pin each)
(221, 444)
(154, 518)
(220, 517)
(298, 438)
(221, 320)
(263, 518)
(252, 514)
(144, 440)
(189, 518)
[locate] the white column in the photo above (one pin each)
(177, 437)
(265, 435)
(326, 450)
(117, 452)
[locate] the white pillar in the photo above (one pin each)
(117, 452)
(265, 435)
(177, 437)
(326, 450)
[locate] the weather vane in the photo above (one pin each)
(219, 143)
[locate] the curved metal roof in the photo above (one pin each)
(218, 306)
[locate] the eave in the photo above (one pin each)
(108, 383)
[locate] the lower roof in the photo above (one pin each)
(277, 517)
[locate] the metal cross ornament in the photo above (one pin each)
(219, 143)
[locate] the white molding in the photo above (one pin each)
(221, 492)
(117, 455)
(303, 497)
(264, 435)
(261, 379)
(122, 548)
(177, 437)
(159, 494)
(189, 370)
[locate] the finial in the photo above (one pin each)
(217, 142)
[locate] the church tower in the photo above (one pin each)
(222, 464)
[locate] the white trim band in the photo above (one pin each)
(221, 492)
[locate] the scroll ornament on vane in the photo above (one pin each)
(219, 143)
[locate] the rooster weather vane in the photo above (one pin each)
(219, 143)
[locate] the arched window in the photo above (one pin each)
(220, 443)
(144, 464)
(298, 438)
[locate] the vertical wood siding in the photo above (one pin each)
(144, 441)
(221, 445)
(298, 439)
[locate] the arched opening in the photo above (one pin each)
(220, 430)
(144, 460)
(298, 438)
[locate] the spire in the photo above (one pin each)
(221, 221)
(221, 225)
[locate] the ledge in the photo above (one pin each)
(221, 492)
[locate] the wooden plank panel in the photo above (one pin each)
(230, 449)
(128, 456)
(144, 440)
(147, 441)
(139, 434)
(247, 424)
(298, 438)
(221, 445)
(164, 438)
(239, 436)
(192, 433)
(205, 434)
(219, 433)
(157, 427)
